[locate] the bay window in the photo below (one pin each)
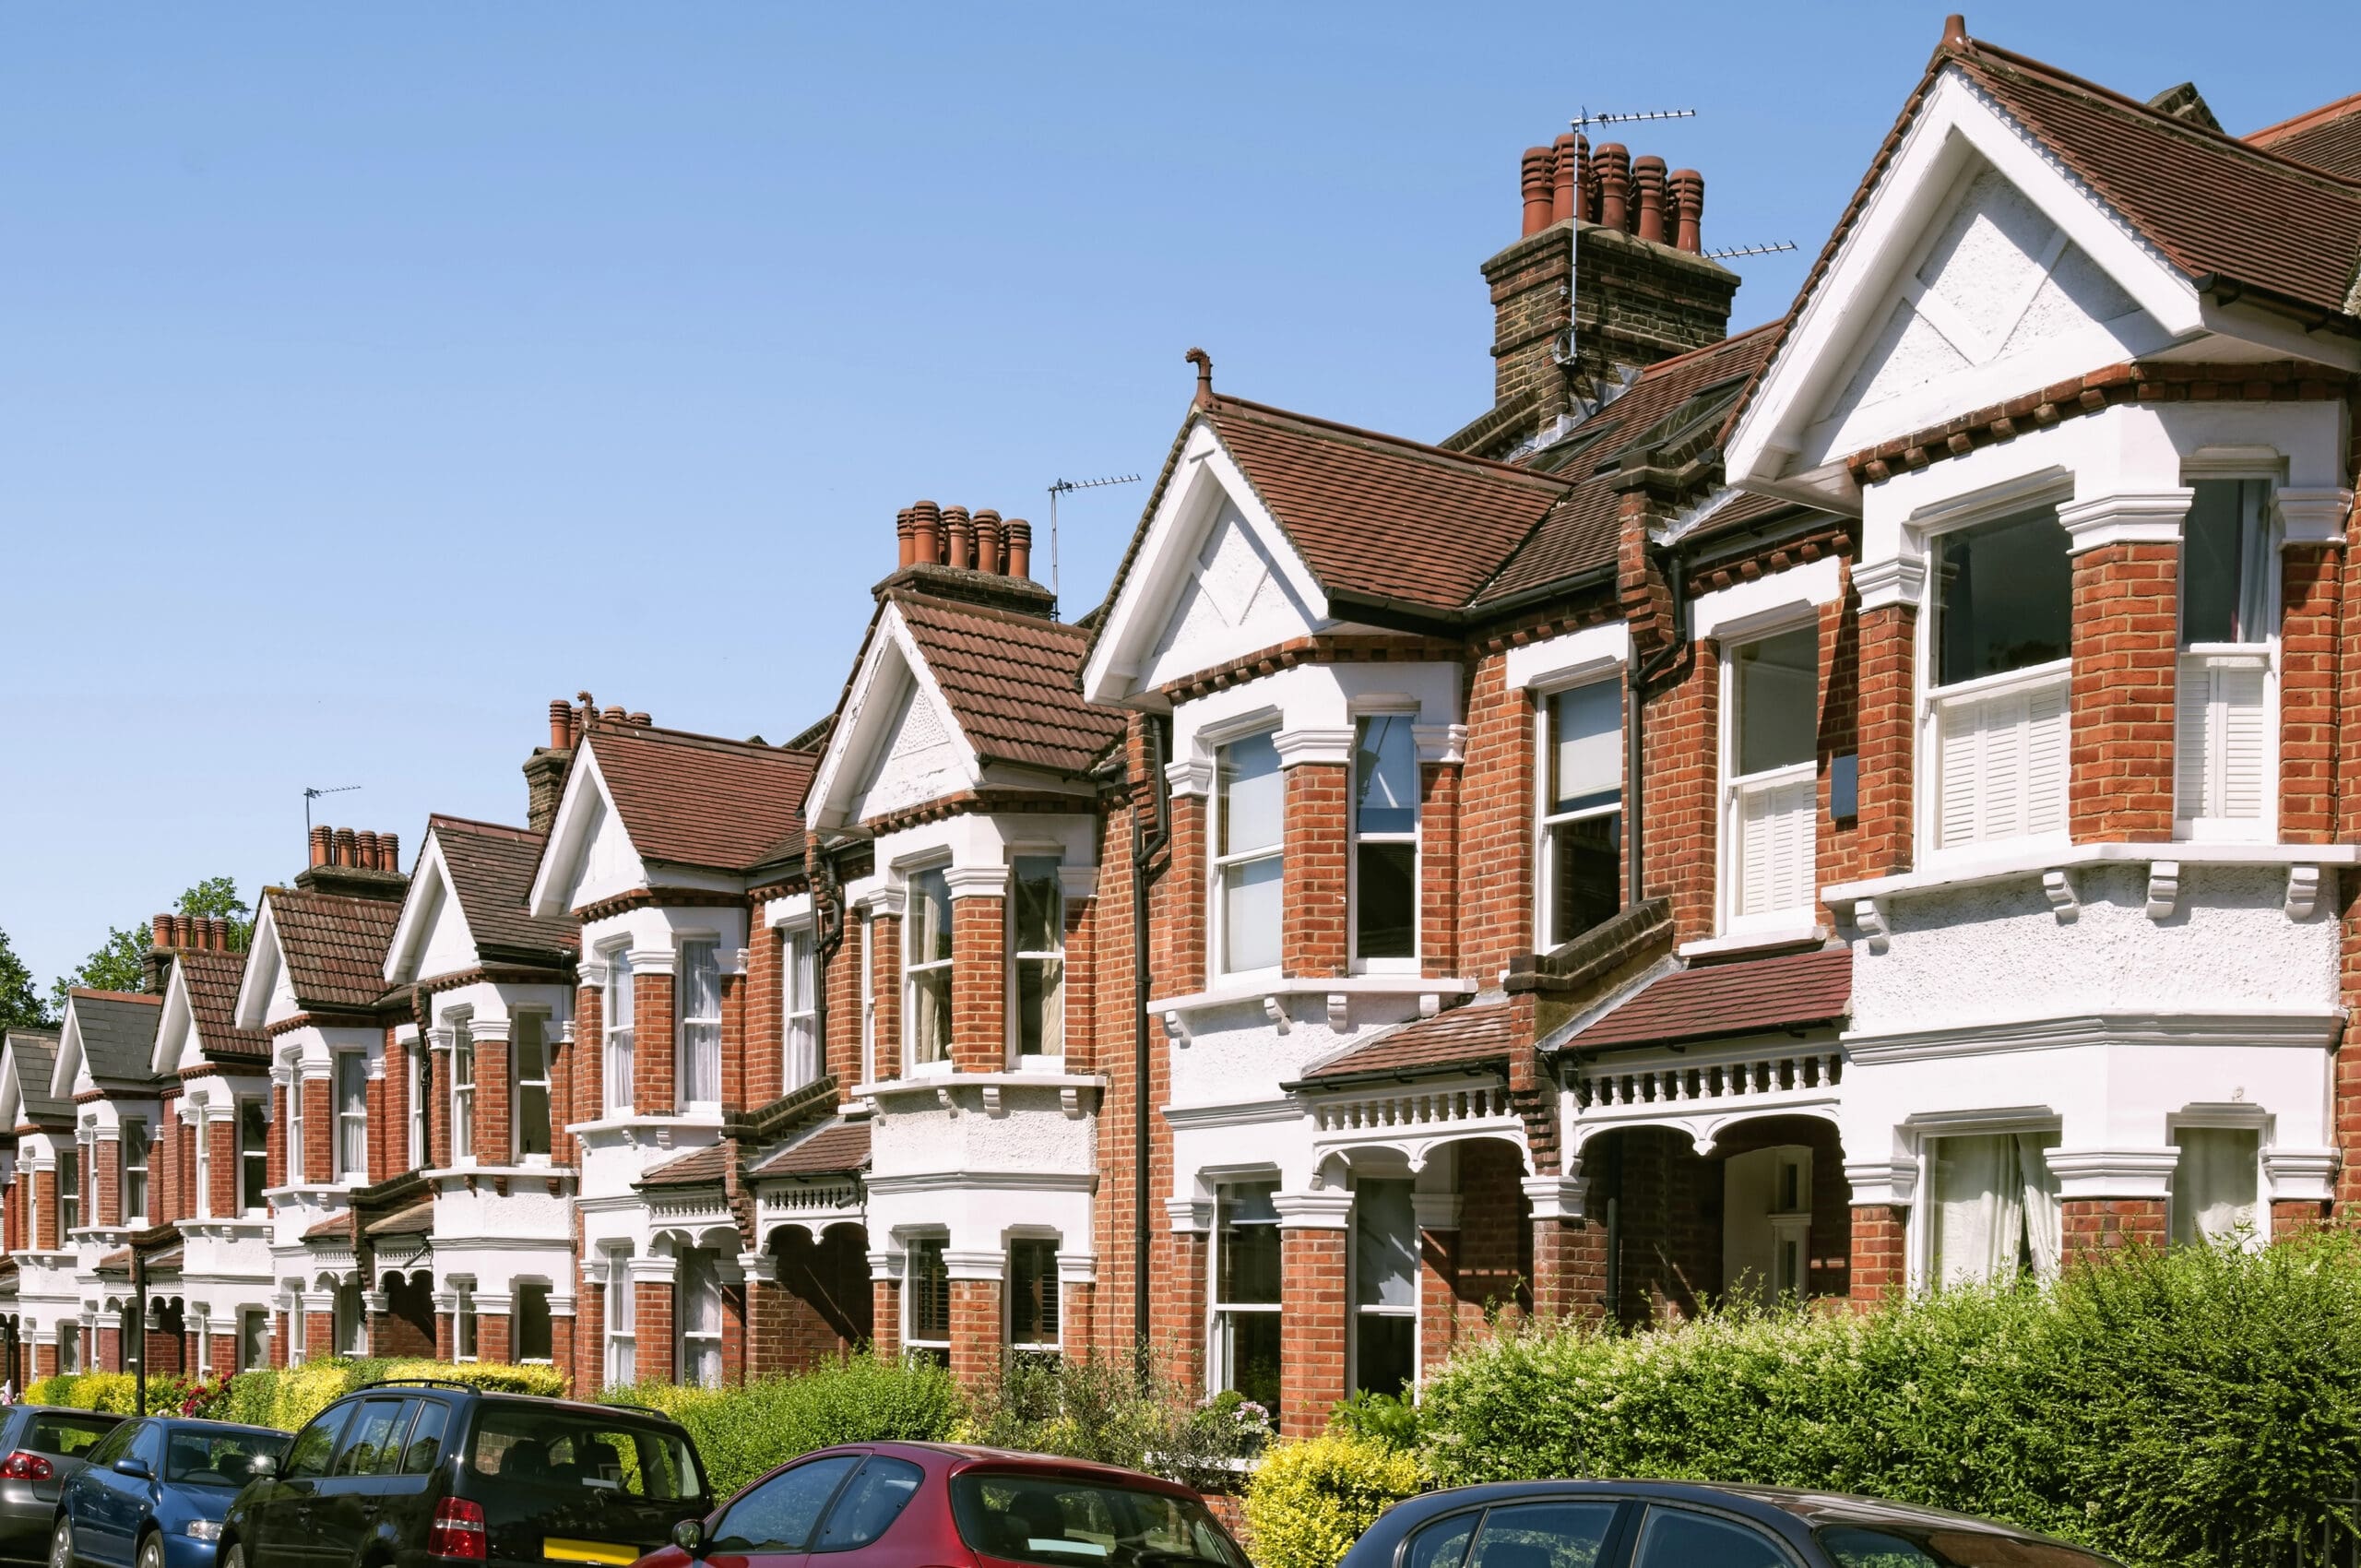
(698, 1045)
(530, 1080)
(2000, 643)
(421, 1063)
(295, 1125)
(618, 1056)
(254, 1153)
(926, 1302)
(1582, 810)
(1994, 1208)
(1247, 1337)
(69, 1192)
(1249, 830)
(352, 1116)
(1033, 1296)
(1385, 1286)
(134, 1153)
(463, 1089)
(698, 1356)
(2217, 1184)
(1385, 839)
(2223, 729)
(1037, 953)
(1770, 790)
(623, 1356)
(801, 1005)
(926, 966)
(534, 1340)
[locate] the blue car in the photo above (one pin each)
(154, 1493)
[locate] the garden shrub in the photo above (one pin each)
(744, 1431)
(117, 1393)
(287, 1397)
(1125, 1410)
(1310, 1501)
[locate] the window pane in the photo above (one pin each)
(1250, 916)
(1778, 698)
(1675, 1539)
(931, 1016)
(425, 1450)
(778, 1514)
(1385, 900)
(871, 1502)
(2215, 1185)
(1385, 1245)
(1385, 777)
(1559, 1535)
(1585, 747)
(930, 1287)
(1995, 1206)
(619, 989)
(1033, 1292)
(1249, 1245)
(1040, 1007)
(1587, 874)
(929, 917)
(2004, 596)
(1250, 1343)
(1253, 796)
(1040, 916)
(1385, 1352)
(533, 1337)
(254, 1153)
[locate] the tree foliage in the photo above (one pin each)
(20, 1004)
(121, 961)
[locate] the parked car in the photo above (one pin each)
(903, 1503)
(153, 1493)
(395, 1472)
(1674, 1524)
(45, 1446)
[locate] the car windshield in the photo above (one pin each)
(1884, 1545)
(218, 1455)
(533, 1446)
(1064, 1523)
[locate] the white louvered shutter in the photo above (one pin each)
(2001, 764)
(2222, 738)
(1775, 846)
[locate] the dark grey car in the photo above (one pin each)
(40, 1447)
(1681, 1524)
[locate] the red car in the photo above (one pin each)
(938, 1505)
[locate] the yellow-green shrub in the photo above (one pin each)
(743, 1431)
(287, 1397)
(1310, 1501)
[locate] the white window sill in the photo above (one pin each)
(1790, 932)
(626, 1121)
(1231, 990)
(1028, 1078)
(2011, 861)
(469, 1168)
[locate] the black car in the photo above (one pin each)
(45, 1445)
(397, 1472)
(1676, 1524)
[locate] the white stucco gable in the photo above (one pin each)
(265, 991)
(897, 742)
(176, 1040)
(68, 1076)
(590, 855)
(1214, 579)
(431, 937)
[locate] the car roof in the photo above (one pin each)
(202, 1424)
(1768, 1504)
(393, 1388)
(958, 1456)
(71, 1411)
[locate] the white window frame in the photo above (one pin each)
(1220, 1375)
(417, 1061)
(350, 1125)
(1920, 1234)
(247, 1154)
(1217, 865)
(2227, 1118)
(463, 1086)
(541, 1023)
(201, 1152)
(623, 1321)
(295, 1325)
(134, 1218)
(2268, 649)
(911, 969)
(1057, 1293)
(1012, 989)
(1734, 787)
(70, 1191)
(911, 1340)
(799, 1010)
(699, 1035)
(618, 1058)
(1545, 879)
(351, 1320)
(294, 1128)
(1355, 836)
(467, 1329)
(700, 1291)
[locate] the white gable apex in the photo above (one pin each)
(265, 992)
(897, 745)
(589, 855)
(431, 937)
(176, 1041)
(1214, 578)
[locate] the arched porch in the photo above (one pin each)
(811, 1299)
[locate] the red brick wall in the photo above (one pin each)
(492, 1339)
(2091, 1227)
(319, 1335)
(1178, 1306)
(978, 985)
(822, 1306)
(1887, 730)
(1679, 746)
(493, 1130)
(841, 1050)
(40, 1193)
(652, 1044)
(1669, 1222)
(975, 1329)
(1179, 901)
(1312, 1295)
(389, 1111)
(1438, 868)
(439, 1117)
(2126, 625)
(319, 1130)
(1569, 1270)
(1879, 1257)
(106, 1180)
(1495, 846)
(885, 1312)
(2291, 1216)
(2312, 601)
(589, 1341)
(1839, 843)
(658, 1357)
(754, 1054)
(1082, 981)
(1495, 1259)
(1312, 935)
(885, 976)
(737, 1046)
(586, 1060)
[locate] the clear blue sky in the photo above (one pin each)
(371, 375)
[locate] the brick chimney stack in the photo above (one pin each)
(353, 864)
(979, 557)
(545, 769)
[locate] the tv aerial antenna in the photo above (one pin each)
(1772, 249)
(1563, 351)
(1067, 487)
(312, 792)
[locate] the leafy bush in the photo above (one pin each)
(117, 1393)
(743, 1431)
(1384, 1419)
(2163, 1406)
(1310, 1501)
(1125, 1410)
(287, 1397)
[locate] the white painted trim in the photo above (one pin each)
(1969, 870)
(2312, 515)
(1571, 659)
(2131, 517)
(1747, 609)
(868, 713)
(2315, 1028)
(1249, 991)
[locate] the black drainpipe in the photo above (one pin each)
(1149, 834)
(1641, 675)
(828, 931)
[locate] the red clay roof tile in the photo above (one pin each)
(491, 870)
(2328, 138)
(1463, 1036)
(335, 945)
(835, 1148)
(1792, 991)
(697, 801)
(1014, 681)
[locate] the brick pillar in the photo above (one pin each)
(389, 1111)
(1312, 1297)
(840, 974)
(886, 1308)
(493, 1341)
(587, 1341)
(1078, 1310)
(886, 979)
(754, 1074)
(652, 1043)
(1178, 1304)
(110, 1349)
(585, 1070)
(438, 1122)
(278, 1340)
(274, 1137)
(45, 1360)
(1179, 898)
(765, 1316)
(1437, 1278)
(1569, 1253)
(1888, 730)
(2292, 1217)
(495, 1137)
(40, 1187)
(976, 1333)
(1082, 977)
(446, 1327)
(1880, 1270)
(319, 1335)
(1439, 865)
(2126, 631)
(979, 972)
(652, 1329)
(1493, 849)
(2091, 1228)
(562, 1349)
(1312, 936)
(2312, 602)
(224, 1351)
(1679, 740)
(105, 1154)
(221, 1175)
(735, 1044)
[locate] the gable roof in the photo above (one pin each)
(33, 1055)
(211, 979)
(1014, 682)
(698, 800)
(1473, 1035)
(709, 1166)
(333, 946)
(830, 1148)
(117, 1031)
(491, 868)
(2328, 138)
(1792, 991)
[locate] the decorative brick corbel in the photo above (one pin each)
(2303, 892)
(2164, 888)
(1870, 915)
(1273, 1010)
(2058, 887)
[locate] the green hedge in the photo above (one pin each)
(2163, 1407)
(117, 1393)
(287, 1397)
(744, 1431)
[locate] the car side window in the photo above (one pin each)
(64, 1435)
(425, 1450)
(1674, 1537)
(113, 1445)
(307, 1456)
(148, 1447)
(1544, 1535)
(778, 1514)
(871, 1502)
(373, 1440)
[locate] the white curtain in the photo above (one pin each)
(2215, 1186)
(2040, 1186)
(1978, 1207)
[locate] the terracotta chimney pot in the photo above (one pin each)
(641, 720)
(905, 541)
(389, 851)
(988, 541)
(1647, 180)
(961, 533)
(1585, 181)
(163, 929)
(1534, 178)
(1954, 30)
(1564, 178)
(1688, 209)
(561, 724)
(319, 845)
(1019, 536)
(926, 534)
(348, 848)
(1614, 165)
(364, 847)
(614, 713)
(217, 932)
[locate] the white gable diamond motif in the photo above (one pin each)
(919, 762)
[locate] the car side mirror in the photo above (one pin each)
(132, 1465)
(262, 1466)
(689, 1534)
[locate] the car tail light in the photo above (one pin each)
(457, 1530)
(25, 1465)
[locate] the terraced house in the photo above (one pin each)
(1816, 812)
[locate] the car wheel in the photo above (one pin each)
(235, 1557)
(151, 1551)
(61, 1545)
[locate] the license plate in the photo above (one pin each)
(559, 1549)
